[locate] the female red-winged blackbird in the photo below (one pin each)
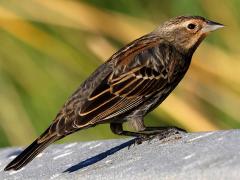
(133, 82)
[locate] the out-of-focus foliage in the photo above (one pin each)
(48, 47)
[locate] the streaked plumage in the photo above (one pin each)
(133, 82)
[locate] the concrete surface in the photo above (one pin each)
(210, 155)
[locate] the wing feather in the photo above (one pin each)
(126, 87)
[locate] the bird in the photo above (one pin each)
(130, 84)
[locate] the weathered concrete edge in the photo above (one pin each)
(208, 155)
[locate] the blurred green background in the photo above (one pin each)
(48, 47)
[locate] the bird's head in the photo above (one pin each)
(187, 32)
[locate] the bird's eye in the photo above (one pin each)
(191, 26)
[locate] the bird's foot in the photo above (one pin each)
(144, 138)
(172, 133)
(162, 134)
(139, 140)
(169, 132)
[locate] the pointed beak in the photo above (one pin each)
(211, 26)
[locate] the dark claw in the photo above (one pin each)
(132, 145)
(140, 140)
(129, 146)
(143, 138)
(180, 130)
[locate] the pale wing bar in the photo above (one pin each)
(123, 94)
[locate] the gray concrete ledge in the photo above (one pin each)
(210, 155)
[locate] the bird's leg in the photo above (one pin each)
(146, 133)
(149, 133)
(136, 123)
(140, 136)
(118, 129)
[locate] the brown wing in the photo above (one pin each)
(122, 94)
(137, 74)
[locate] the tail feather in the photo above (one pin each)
(29, 153)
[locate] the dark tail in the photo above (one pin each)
(30, 152)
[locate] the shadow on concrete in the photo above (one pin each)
(99, 157)
(15, 153)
